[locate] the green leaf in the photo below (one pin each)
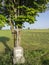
(3, 20)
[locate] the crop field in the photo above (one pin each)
(34, 42)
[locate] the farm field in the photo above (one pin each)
(34, 42)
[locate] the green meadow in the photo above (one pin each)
(34, 42)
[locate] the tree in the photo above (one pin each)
(19, 11)
(22, 10)
(16, 12)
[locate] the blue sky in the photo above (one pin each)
(41, 23)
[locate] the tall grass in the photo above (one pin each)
(34, 42)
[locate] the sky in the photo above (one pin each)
(41, 23)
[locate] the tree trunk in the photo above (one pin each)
(12, 30)
(17, 37)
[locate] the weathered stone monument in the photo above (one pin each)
(18, 55)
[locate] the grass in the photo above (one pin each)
(34, 42)
(35, 38)
(32, 39)
(6, 40)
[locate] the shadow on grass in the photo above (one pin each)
(4, 40)
(7, 57)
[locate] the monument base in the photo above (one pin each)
(18, 55)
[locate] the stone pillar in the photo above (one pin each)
(18, 55)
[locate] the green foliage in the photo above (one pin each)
(3, 20)
(45, 60)
(6, 59)
(21, 19)
(21, 11)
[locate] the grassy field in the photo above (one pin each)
(6, 40)
(32, 39)
(35, 38)
(34, 42)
